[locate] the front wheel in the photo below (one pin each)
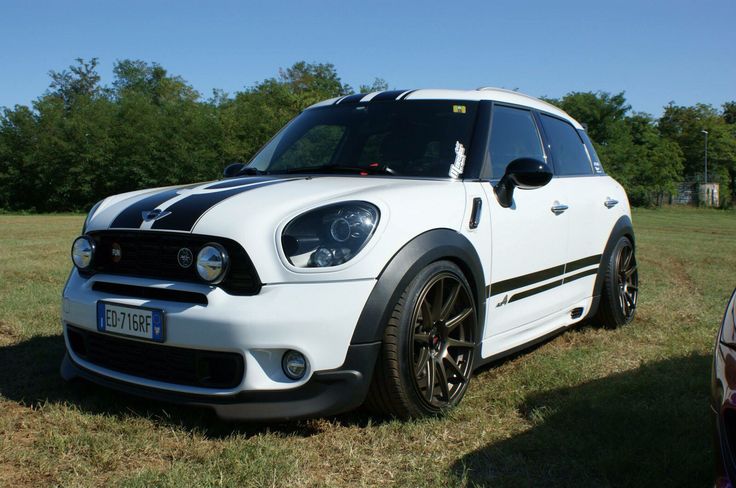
(620, 292)
(426, 357)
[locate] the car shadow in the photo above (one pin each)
(646, 427)
(30, 376)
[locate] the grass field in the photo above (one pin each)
(592, 407)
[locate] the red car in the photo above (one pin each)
(723, 396)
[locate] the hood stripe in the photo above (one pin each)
(132, 216)
(185, 213)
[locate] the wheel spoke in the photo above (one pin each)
(421, 338)
(427, 318)
(459, 343)
(438, 295)
(430, 379)
(630, 271)
(456, 320)
(458, 372)
(423, 356)
(442, 377)
(450, 303)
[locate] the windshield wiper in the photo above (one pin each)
(373, 170)
(250, 170)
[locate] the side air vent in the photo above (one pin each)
(576, 313)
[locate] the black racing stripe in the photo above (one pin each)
(526, 280)
(582, 263)
(132, 216)
(580, 275)
(387, 95)
(352, 98)
(403, 97)
(238, 182)
(186, 212)
(534, 291)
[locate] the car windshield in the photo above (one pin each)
(403, 138)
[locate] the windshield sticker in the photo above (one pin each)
(597, 167)
(456, 168)
(458, 109)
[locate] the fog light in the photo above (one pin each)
(294, 365)
(83, 252)
(212, 263)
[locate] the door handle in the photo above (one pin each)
(558, 208)
(610, 202)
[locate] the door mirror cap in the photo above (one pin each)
(525, 173)
(233, 169)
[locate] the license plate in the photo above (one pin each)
(140, 322)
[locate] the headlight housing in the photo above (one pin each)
(83, 252)
(212, 263)
(329, 236)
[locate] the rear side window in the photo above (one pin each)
(597, 166)
(568, 150)
(513, 135)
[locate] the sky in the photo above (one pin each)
(655, 51)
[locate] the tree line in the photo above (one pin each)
(82, 140)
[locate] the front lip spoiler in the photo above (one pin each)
(326, 393)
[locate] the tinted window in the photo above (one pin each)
(409, 138)
(513, 135)
(597, 167)
(567, 148)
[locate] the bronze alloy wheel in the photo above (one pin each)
(426, 359)
(443, 322)
(627, 279)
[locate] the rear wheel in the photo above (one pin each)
(426, 357)
(620, 292)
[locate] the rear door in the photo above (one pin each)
(528, 239)
(589, 217)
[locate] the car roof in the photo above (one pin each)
(484, 93)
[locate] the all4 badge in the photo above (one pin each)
(457, 167)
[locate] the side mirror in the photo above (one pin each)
(233, 169)
(525, 173)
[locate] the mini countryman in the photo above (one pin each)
(377, 250)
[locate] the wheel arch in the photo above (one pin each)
(422, 250)
(622, 228)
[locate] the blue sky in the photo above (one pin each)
(656, 51)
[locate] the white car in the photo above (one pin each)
(378, 249)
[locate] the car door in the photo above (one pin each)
(529, 238)
(589, 217)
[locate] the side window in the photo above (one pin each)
(513, 135)
(568, 151)
(597, 167)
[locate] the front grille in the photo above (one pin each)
(150, 292)
(152, 254)
(177, 365)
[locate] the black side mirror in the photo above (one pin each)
(233, 169)
(525, 173)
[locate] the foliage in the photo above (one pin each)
(82, 140)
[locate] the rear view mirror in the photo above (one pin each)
(525, 173)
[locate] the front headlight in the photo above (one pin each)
(83, 252)
(329, 236)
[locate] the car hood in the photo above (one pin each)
(253, 210)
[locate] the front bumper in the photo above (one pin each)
(316, 319)
(326, 393)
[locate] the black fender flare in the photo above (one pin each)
(422, 250)
(622, 227)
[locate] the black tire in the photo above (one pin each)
(620, 291)
(420, 353)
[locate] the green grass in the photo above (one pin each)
(592, 407)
